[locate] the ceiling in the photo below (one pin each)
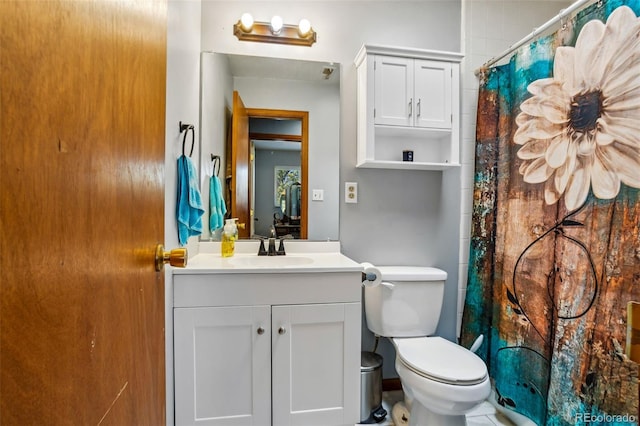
(288, 69)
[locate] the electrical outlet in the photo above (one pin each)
(350, 192)
(317, 195)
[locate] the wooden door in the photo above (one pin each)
(316, 365)
(223, 365)
(82, 112)
(240, 165)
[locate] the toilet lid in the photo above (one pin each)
(411, 273)
(439, 359)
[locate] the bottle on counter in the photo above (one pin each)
(229, 237)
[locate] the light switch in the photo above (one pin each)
(350, 192)
(317, 195)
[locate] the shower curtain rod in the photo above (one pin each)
(563, 14)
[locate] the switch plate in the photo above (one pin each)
(350, 192)
(317, 195)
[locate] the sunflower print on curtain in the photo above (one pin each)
(555, 244)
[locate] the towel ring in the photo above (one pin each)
(185, 128)
(216, 162)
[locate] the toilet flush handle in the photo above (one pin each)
(388, 285)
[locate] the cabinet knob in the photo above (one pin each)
(282, 330)
(260, 331)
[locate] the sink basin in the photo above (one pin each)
(270, 261)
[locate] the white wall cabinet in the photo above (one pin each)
(412, 92)
(408, 99)
(253, 356)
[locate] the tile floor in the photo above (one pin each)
(483, 415)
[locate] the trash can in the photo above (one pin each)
(371, 410)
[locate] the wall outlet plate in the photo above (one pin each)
(317, 195)
(351, 192)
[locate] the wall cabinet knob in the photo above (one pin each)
(260, 331)
(282, 330)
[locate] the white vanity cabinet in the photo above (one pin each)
(222, 359)
(267, 348)
(408, 99)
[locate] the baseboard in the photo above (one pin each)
(392, 384)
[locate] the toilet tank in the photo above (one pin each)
(407, 303)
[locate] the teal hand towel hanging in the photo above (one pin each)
(217, 207)
(189, 209)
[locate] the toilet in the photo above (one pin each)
(441, 380)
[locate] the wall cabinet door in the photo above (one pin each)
(412, 92)
(316, 364)
(432, 94)
(222, 361)
(393, 96)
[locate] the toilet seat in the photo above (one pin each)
(441, 360)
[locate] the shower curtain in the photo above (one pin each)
(555, 244)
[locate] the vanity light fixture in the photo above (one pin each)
(246, 22)
(276, 24)
(275, 31)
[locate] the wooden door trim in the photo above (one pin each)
(303, 116)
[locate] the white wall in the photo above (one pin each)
(183, 88)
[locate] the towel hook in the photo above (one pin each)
(216, 162)
(185, 128)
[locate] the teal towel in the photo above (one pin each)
(217, 207)
(189, 209)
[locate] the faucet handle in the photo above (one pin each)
(262, 251)
(281, 251)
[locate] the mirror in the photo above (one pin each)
(273, 84)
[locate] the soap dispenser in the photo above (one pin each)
(229, 237)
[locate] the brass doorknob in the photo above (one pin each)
(176, 257)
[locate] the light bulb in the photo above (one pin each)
(304, 27)
(246, 22)
(276, 24)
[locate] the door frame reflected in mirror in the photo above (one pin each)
(241, 204)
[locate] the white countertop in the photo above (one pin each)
(301, 257)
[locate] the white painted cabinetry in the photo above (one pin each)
(312, 349)
(253, 355)
(408, 99)
(222, 361)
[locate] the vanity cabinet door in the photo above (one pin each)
(316, 364)
(223, 365)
